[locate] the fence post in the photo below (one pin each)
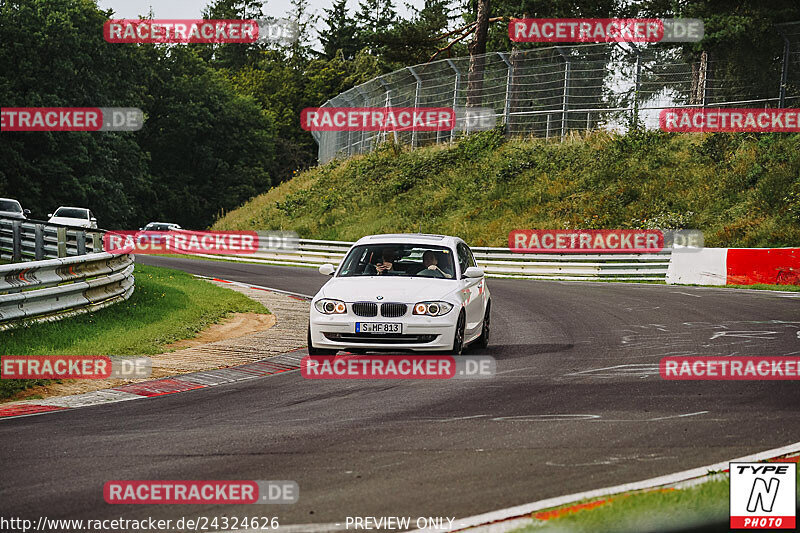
(637, 88)
(455, 92)
(784, 72)
(363, 132)
(507, 107)
(61, 241)
(16, 241)
(588, 121)
(38, 242)
(416, 103)
(97, 242)
(565, 96)
(547, 131)
(704, 74)
(388, 104)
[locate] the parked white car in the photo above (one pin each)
(73, 216)
(161, 226)
(401, 292)
(10, 208)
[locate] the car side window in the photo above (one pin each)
(463, 259)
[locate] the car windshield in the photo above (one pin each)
(72, 212)
(10, 206)
(399, 260)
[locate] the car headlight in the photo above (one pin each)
(432, 308)
(330, 307)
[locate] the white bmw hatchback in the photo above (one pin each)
(401, 292)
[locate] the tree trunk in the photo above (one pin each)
(477, 61)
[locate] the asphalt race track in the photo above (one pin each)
(577, 404)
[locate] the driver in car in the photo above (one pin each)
(431, 265)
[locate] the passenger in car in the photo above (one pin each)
(386, 263)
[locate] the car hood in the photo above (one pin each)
(393, 289)
(11, 214)
(70, 221)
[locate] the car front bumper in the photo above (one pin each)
(419, 333)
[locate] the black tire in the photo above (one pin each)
(458, 336)
(483, 340)
(317, 351)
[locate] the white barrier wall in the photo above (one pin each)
(702, 267)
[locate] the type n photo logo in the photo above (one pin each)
(763, 495)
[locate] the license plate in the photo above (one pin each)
(378, 327)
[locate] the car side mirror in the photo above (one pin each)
(327, 269)
(474, 272)
(26, 212)
(49, 215)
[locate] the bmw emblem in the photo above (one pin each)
(379, 297)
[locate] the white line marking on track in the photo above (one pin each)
(687, 294)
(678, 416)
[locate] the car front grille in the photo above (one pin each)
(365, 309)
(379, 338)
(393, 310)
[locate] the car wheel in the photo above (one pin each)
(458, 336)
(317, 351)
(483, 340)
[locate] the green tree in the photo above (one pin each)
(340, 34)
(374, 19)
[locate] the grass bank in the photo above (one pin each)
(167, 306)
(740, 189)
(664, 509)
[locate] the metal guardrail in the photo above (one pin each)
(79, 278)
(499, 262)
(26, 240)
(55, 288)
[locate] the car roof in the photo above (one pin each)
(409, 238)
(70, 207)
(10, 199)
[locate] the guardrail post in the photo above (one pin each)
(80, 241)
(38, 242)
(16, 241)
(61, 241)
(97, 242)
